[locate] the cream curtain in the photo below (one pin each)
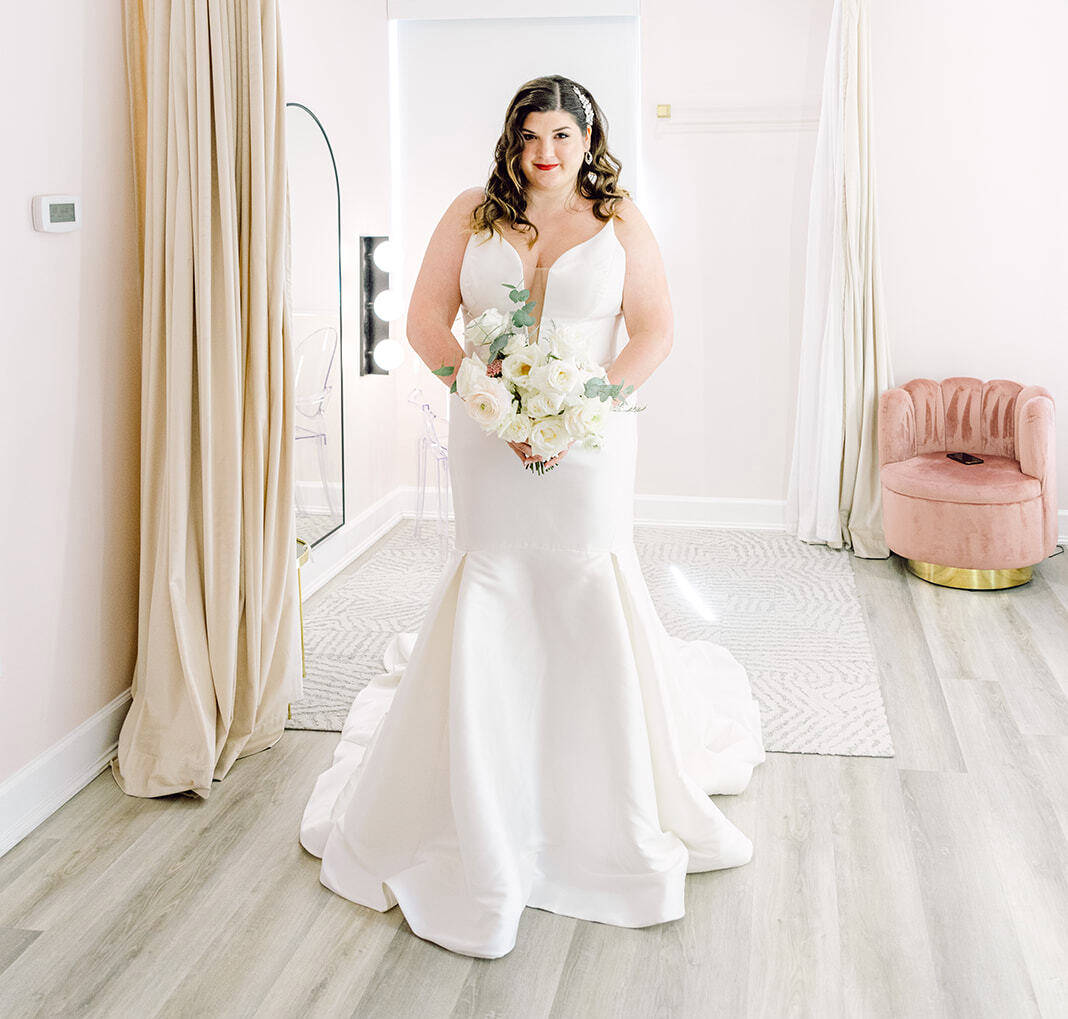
(834, 496)
(218, 656)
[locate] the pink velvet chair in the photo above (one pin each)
(978, 526)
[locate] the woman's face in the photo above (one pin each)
(554, 148)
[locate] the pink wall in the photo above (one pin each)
(972, 156)
(726, 190)
(70, 388)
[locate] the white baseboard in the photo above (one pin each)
(762, 514)
(341, 548)
(702, 511)
(40, 788)
(309, 496)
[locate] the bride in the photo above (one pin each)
(542, 740)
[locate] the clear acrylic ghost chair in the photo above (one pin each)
(433, 453)
(316, 357)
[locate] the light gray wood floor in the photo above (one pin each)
(930, 884)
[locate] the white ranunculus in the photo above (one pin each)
(586, 418)
(471, 376)
(490, 404)
(516, 428)
(549, 437)
(543, 403)
(518, 366)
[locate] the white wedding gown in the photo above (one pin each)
(542, 740)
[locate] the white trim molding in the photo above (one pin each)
(704, 511)
(737, 119)
(38, 789)
(452, 10)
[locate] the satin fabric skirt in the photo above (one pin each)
(542, 740)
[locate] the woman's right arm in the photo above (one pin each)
(436, 294)
(436, 297)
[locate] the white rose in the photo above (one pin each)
(586, 418)
(549, 437)
(543, 403)
(490, 404)
(517, 367)
(471, 376)
(547, 377)
(516, 342)
(483, 330)
(569, 341)
(562, 376)
(516, 428)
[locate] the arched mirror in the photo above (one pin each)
(315, 238)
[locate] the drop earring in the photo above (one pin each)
(588, 157)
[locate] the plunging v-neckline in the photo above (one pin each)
(549, 268)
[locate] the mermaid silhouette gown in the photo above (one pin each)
(542, 740)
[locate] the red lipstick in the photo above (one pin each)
(546, 166)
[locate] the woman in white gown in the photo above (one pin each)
(542, 740)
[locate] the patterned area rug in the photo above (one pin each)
(788, 611)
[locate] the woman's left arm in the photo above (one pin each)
(647, 310)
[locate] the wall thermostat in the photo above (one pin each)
(56, 213)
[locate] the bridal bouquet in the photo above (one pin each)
(547, 392)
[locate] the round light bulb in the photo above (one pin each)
(383, 256)
(388, 354)
(388, 306)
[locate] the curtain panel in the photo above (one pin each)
(218, 655)
(834, 495)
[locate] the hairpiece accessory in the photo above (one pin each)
(587, 106)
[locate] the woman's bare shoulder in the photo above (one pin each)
(628, 217)
(466, 201)
(631, 226)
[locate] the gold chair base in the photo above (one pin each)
(970, 580)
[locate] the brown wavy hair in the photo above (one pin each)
(506, 188)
